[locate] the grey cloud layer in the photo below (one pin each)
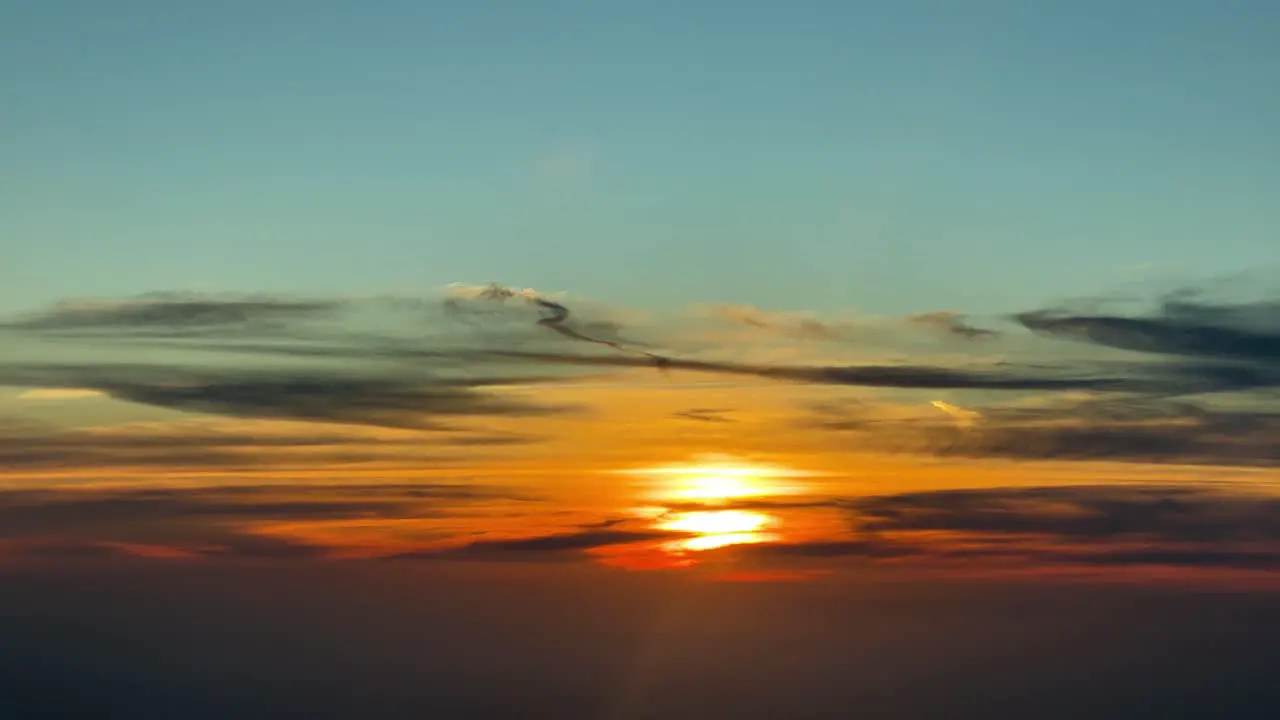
(1246, 333)
(173, 311)
(429, 367)
(35, 447)
(211, 520)
(1048, 527)
(1036, 527)
(1127, 429)
(376, 398)
(1150, 513)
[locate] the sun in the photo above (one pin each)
(716, 479)
(697, 498)
(718, 528)
(710, 522)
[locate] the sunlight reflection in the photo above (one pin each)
(711, 542)
(717, 529)
(697, 498)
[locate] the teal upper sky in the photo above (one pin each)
(893, 156)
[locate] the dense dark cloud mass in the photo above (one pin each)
(1205, 347)
(173, 311)
(1152, 513)
(216, 520)
(1048, 528)
(1123, 430)
(1247, 332)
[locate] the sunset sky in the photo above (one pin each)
(754, 295)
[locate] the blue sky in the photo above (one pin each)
(888, 156)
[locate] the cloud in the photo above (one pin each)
(1123, 429)
(330, 396)
(387, 403)
(1045, 530)
(90, 452)
(172, 311)
(848, 548)
(230, 546)
(952, 323)
(1073, 513)
(562, 542)
(62, 511)
(1002, 376)
(706, 415)
(220, 521)
(807, 326)
(1268, 560)
(795, 325)
(905, 376)
(429, 363)
(1246, 332)
(964, 418)
(185, 446)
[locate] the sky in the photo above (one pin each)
(892, 157)
(659, 347)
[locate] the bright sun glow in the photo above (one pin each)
(716, 521)
(717, 480)
(717, 528)
(714, 487)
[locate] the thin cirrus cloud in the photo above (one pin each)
(232, 445)
(952, 323)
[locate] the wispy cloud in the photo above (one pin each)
(477, 352)
(706, 415)
(231, 445)
(563, 546)
(952, 323)
(381, 398)
(1120, 429)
